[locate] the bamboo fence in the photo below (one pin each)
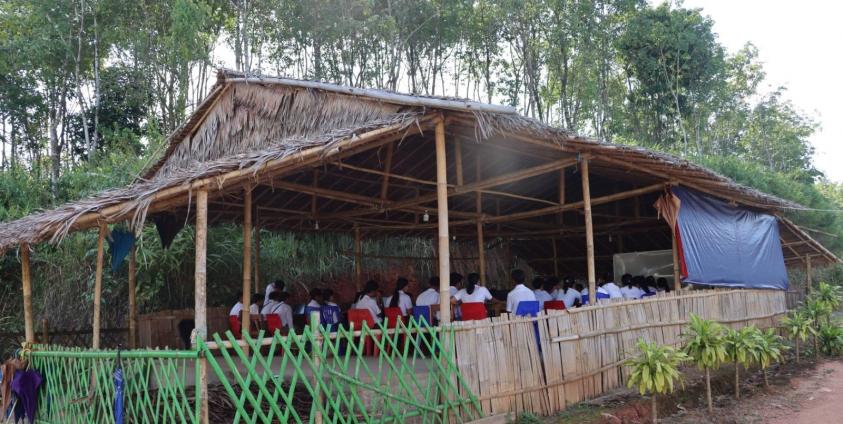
(580, 353)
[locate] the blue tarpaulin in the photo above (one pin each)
(729, 246)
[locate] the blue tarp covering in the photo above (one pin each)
(729, 246)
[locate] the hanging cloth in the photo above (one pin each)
(25, 386)
(668, 208)
(118, 391)
(119, 244)
(168, 226)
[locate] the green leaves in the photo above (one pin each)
(742, 345)
(704, 343)
(797, 324)
(656, 368)
(769, 347)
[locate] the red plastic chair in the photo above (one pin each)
(473, 311)
(555, 305)
(357, 317)
(273, 323)
(393, 316)
(234, 326)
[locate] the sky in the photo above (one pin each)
(799, 43)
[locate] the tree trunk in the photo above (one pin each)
(737, 380)
(708, 390)
(797, 350)
(654, 408)
(766, 380)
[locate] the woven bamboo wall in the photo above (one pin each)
(583, 350)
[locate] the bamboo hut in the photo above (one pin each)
(310, 156)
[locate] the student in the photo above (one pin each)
(430, 297)
(662, 286)
(541, 293)
(474, 292)
(638, 285)
(569, 294)
(456, 283)
(273, 286)
(610, 287)
(270, 304)
(315, 299)
(583, 293)
(628, 290)
(557, 292)
(398, 298)
(237, 309)
(367, 299)
(650, 285)
(330, 311)
(519, 293)
(278, 305)
(600, 290)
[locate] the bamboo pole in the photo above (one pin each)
(246, 318)
(442, 221)
(200, 296)
(257, 250)
(97, 322)
(677, 277)
(358, 259)
(26, 281)
(315, 353)
(133, 307)
(589, 231)
(809, 279)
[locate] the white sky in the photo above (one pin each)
(798, 41)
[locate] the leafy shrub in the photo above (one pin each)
(655, 370)
(831, 339)
(705, 346)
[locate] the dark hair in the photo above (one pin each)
(370, 286)
(314, 293)
(275, 295)
(626, 279)
(400, 283)
(538, 283)
(239, 296)
(327, 294)
(578, 287)
(456, 278)
(550, 283)
(433, 282)
(518, 276)
(638, 281)
(473, 279)
(279, 283)
(283, 296)
(257, 297)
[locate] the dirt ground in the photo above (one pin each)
(798, 393)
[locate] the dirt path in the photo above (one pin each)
(818, 398)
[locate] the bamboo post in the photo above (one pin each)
(133, 308)
(246, 319)
(315, 353)
(677, 278)
(809, 278)
(26, 281)
(257, 250)
(481, 242)
(442, 223)
(95, 338)
(200, 297)
(589, 232)
(358, 259)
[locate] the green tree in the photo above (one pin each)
(705, 345)
(655, 370)
(798, 327)
(742, 350)
(769, 349)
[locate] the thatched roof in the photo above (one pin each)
(274, 131)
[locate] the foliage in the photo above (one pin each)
(741, 345)
(798, 327)
(705, 343)
(655, 369)
(829, 295)
(831, 339)
(769, 347)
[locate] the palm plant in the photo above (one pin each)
(815, 310)
(654, 370)
(704, 345)
(769, 347)
(830, 296)
(831, 339)
(798, 327)
(742, 351)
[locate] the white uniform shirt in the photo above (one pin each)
(404, 302)
(236, 310)
(585, 293)
(542, 296)
(268, 307)
(428, 297)
(518, 294)
(269, 289)
(367, 302)
(613, 290)
(283, 310)
(480, 294)
(652, 289)
(314, 304)
(570, 297)
(629, 292)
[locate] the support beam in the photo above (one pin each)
(442, 221)
(97, 322)
(677, 277)
(26, 281)
(200, 314)
(246, 318)
(133, 305)
(589, 232)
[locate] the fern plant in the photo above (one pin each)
(798, 327)
(655, 370)
(705, 346)
(742, 350)
(769, 348)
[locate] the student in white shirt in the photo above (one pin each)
(628, 290)
(473, 291)
(610, 287)
(237, 309)
(278, 305)
(257, 304)
(556, 291)
(315, 299)
(277, 285)
(569, 294)
(519, 293)
(398, 298)
(330, 315)
(430, 296)
(542, 295)
(584, 292)
(367, 299)
(650, 285)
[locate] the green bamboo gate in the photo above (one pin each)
(314, 376)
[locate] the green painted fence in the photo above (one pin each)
(405, 374)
